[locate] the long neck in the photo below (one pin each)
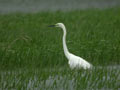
(64, 43)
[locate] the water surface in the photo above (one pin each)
(106, 78)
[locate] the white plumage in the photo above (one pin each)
(78, 62)
(73, 60)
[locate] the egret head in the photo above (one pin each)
(61, 25)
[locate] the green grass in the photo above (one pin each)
(64, 79)
(27, 43)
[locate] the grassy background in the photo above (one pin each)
(26, 41)
(33, 54)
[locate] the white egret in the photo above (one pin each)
(73, 60)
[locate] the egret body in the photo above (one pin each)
(73, 60)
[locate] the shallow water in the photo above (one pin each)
(66, 79)
(7, 6)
